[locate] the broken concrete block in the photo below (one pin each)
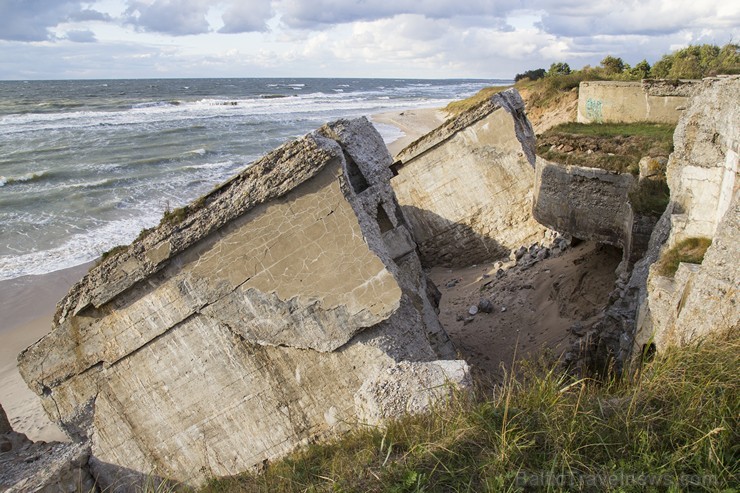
(245, 326)
(466, 187)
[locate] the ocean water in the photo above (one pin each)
(86, 165)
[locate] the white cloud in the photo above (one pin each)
(393, 38)
(174, 17)
(246, 17)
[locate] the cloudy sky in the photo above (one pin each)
(63, 39)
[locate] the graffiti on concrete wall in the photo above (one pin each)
(594, 110)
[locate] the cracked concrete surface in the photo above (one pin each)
(247, 328)
(466, 187)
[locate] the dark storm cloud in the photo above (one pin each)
(31, 20)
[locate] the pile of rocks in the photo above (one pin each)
(525, 257)
(39, 466)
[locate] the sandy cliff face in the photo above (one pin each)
(466, 187)
(266, 315)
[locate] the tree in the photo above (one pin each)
(612, 65)
(697, 61)
(531, 75)
(559, 68)
(641, 70)
(687, 66)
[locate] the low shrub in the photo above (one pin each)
(650, 197)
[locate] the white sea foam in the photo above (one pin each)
(31, 176)
(78, 249)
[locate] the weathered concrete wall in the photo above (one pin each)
(705, 202)
(650, 100)
(249, 327)
(466, 187)
(591, 204)
(588, 203)
(653, 309)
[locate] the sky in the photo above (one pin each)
(110, 39)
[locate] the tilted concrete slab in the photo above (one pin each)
(467, 186)
(246, 324)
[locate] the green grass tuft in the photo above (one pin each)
(690, 250)
(675, 424)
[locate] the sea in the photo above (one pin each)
(85, 165)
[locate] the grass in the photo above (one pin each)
(674, 425)
(457, 107)
(689, 250)
(659, 132)
(616, 147)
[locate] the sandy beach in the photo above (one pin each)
(413, 123)
(27, 303)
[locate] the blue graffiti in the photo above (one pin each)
(593, 110)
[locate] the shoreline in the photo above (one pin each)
(28, 303)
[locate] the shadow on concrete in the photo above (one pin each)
(447, 243)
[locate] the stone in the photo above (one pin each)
(473, 310)
(249, 327)
(27, 466)
(4, 422)
(520, 252)
(409, 388)
(485, 305)
(705, 202)
(588, 203)
(466, 187)
(578, 329)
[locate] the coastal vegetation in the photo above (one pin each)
(543, 88)
(650, 197)
(615, 147)
(670, 427)
(689, 250)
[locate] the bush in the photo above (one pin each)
(697, 61)
(531, 75)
